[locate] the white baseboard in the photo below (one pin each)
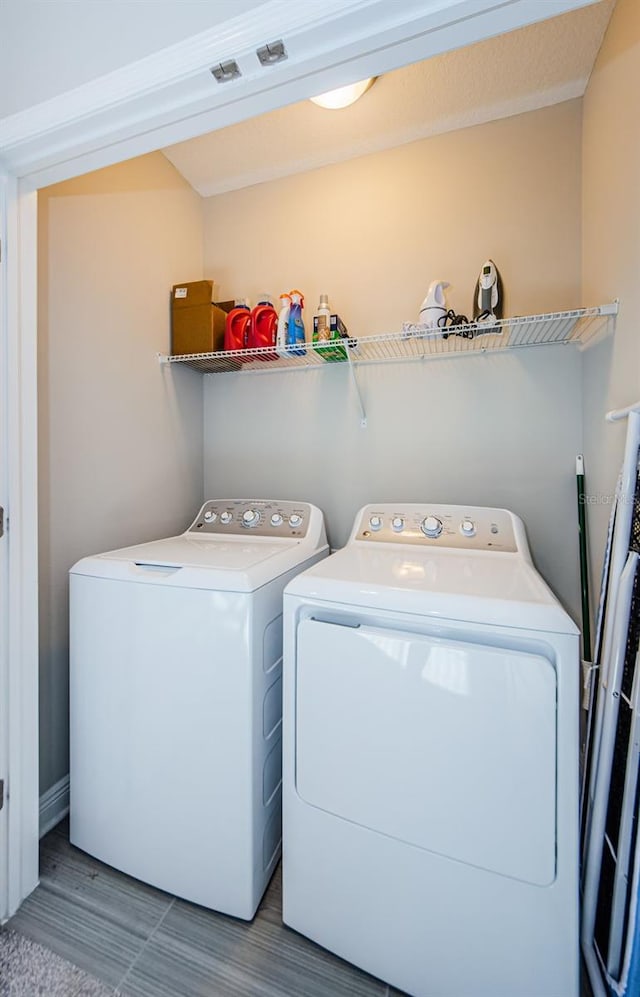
(54, 805)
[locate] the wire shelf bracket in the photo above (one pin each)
(356, 388)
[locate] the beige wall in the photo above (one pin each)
(120, 437)
(373, 233)
(611, 254)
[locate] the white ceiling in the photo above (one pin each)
(48, 47)
(533, 67)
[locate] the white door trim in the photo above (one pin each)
(4, 565)
(20, 386)
(54, 805)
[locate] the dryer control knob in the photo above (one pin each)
(375, 523)
(250, 517)
(295, 520)
(397, 523)
(276, 519)
(468, 528)
(226, 517)
(431, 526)
(210, 516)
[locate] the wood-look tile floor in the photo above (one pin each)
(90, 931)
(139, 942)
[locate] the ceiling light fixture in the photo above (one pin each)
(344, 96)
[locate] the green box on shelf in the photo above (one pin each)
(333, 349)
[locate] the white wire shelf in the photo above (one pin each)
(582, 327)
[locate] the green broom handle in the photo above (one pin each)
(584, 568)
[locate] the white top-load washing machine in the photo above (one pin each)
(430, 783)
(176, 693)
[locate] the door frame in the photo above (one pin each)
(163, 99)
(4, 565)
(19, 664)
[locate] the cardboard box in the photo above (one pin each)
(197, 325)
(226, 305)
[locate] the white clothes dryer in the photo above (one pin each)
(176, 700)
(430, 793)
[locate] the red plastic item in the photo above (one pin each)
(264, 328)
(237, 328)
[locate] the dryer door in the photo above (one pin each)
(447, 745)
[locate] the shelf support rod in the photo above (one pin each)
(356, 388)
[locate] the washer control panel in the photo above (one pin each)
(255, 517)
(464, 527)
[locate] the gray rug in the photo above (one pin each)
(30, 970)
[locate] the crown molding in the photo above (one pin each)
(171, 95)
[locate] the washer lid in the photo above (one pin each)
(494, 588)
(229, 564)
(188, 552)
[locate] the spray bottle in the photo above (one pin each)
(283, 325)
(295, 333)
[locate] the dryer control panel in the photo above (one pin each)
(258, 517)
(457, 526)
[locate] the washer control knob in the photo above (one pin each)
(431, 526)
(250, 517)
(276, 519)
(295, 520)
(397, 523)
(375, 523)
(468, 528)
(210, 516)
(226, 517)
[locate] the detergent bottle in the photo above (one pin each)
(264, 326)
(433, 307)
(295, 331)
(282, 331)
(237, 326)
